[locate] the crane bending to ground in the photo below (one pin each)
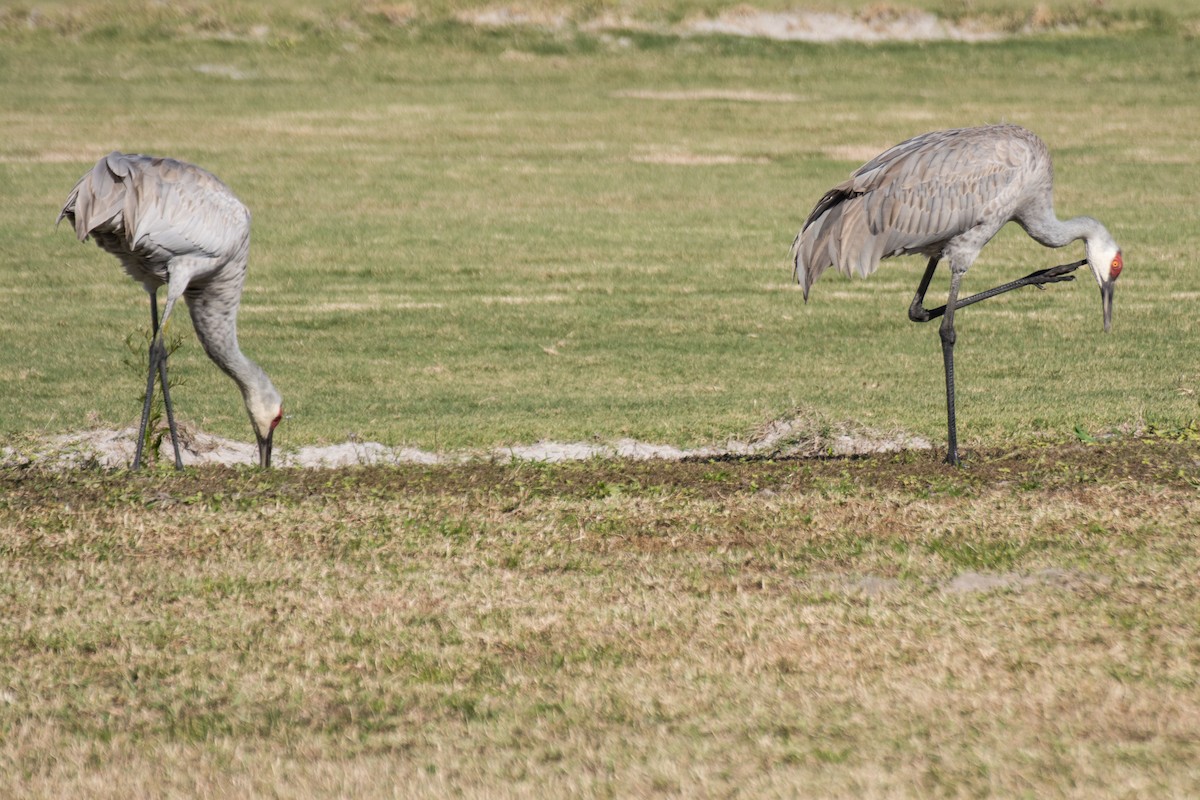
(175, 224)
(944, 195)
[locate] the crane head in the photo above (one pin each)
(1106, 261)
(266, 411)
(265, 442)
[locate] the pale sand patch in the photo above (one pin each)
(521, 300)
(504, 17)
(697, 159)
(344, 306)
(225, 71)
(349, 306)
(858, 153)
(415, 306)
(332, 308)
(856, 118)
(735, 95)
(383, 113)
(400, 14)
(815, 26)
(114, 449)
(58, 156)
(877, 23)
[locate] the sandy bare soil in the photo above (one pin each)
(874, 24)
(115, 448)
(814, 26)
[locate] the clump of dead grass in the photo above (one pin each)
(804, 433)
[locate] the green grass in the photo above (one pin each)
(468, 237)
(437, 206)
(882, 627)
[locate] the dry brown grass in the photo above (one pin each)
(867, 628)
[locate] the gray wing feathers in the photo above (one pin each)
(94, 201)
(914, 198)
(160, 205)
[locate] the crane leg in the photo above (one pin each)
(162, 373)
(916, 311)
(158, 368)
(141, 439)
(948, 337)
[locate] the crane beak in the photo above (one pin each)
(264, 450)
(1106, 297)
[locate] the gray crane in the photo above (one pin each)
(944, 195)
(174, 224)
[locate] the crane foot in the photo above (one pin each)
(1054, 274)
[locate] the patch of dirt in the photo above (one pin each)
(55, 157)
(504, 17)
(399, 14)
(345, 307)
(225, 71)
(877, 23)
(731, 95)
(696, 159)
(1116, 475)
(857, 153)
(798, 437)
(871, 25)
(522, 300)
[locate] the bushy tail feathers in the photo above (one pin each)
(100, 197)
(800, 265)
(814, 247)
(837, 234)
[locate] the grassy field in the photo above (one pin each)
(475, 237)
(884, 627)
(467, 237)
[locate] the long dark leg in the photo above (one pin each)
(158, 366)
(948, 338)
(1039, 278)
(916, 311)
(153, 357)
(162, 373)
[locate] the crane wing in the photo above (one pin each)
(912, 198)
(157, 206)
(94, 202)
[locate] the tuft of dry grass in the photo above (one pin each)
(867, 627)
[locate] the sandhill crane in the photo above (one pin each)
(175, 224)
(945, 194)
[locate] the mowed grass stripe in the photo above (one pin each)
(422, 202)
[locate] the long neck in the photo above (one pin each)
(1044, 226)
(216, 328)
(249, 376)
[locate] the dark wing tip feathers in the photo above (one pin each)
(812, 241)
(798, 274)
(836, 195)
